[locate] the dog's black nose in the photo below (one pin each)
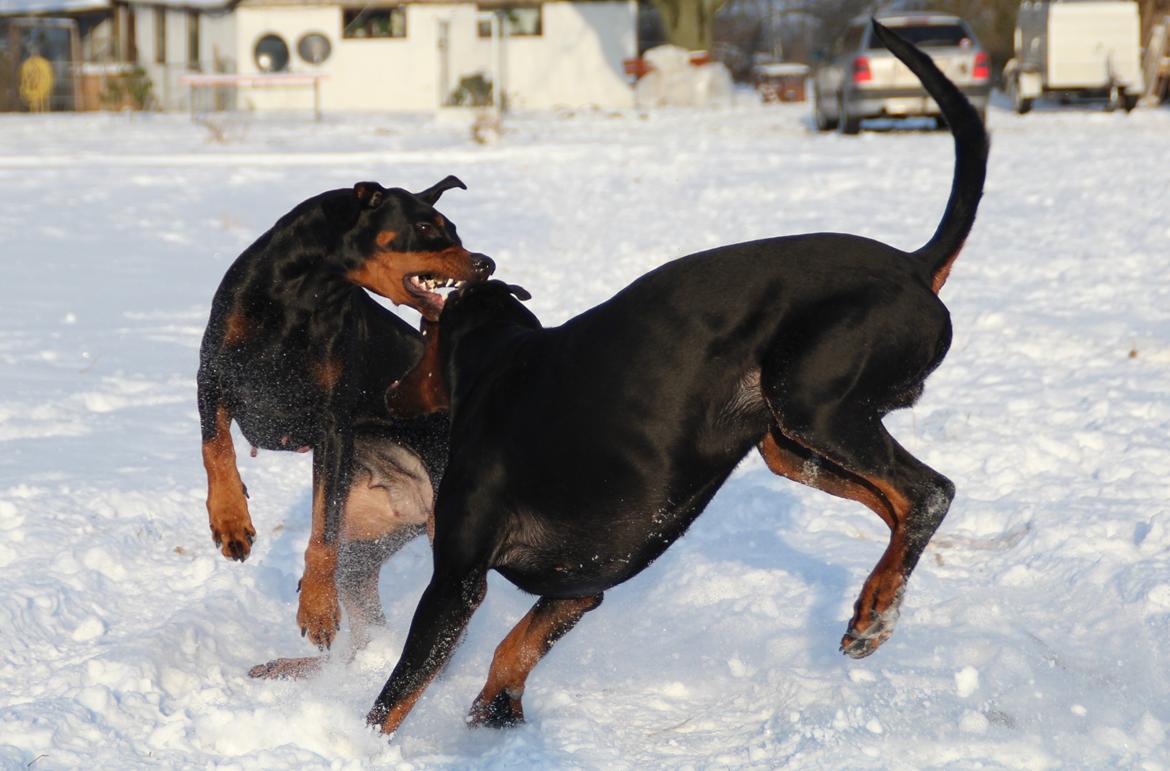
(483, 265)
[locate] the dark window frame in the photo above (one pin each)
(160, 34)
(483, 30)
(351, 29)
(193, 40)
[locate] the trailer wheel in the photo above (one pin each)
(1021, 105)
(1128, 102)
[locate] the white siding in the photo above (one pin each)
(217, 50)
(575, 62)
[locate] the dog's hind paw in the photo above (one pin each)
(287, 669)
(857, 644)
(503, 711)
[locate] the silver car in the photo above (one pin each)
(860, 79)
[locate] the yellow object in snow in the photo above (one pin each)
(36, 83)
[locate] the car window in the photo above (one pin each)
(932, 36)
(852, 39)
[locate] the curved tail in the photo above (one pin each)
(971, 146)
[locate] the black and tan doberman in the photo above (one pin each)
(299, 356)
(579, 453)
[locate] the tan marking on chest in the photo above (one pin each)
(237, 329)
(327, 373)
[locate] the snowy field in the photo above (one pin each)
(1035, 631)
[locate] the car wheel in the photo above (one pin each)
(846, 123)
(822, 121)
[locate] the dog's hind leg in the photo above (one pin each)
(829, 384)
(910, 497)
(498, 704)
(791, 460)
(918, 496)
(358, 566)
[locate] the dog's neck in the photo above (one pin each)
(423, 389)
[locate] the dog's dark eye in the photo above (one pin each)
(424, 228)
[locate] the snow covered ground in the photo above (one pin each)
(1034, 634)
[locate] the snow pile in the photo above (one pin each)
(1033, 632)
(674, 82)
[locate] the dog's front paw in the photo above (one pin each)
(502, 711)
(231, 529)
(319, 614)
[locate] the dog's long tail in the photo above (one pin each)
(939, 253)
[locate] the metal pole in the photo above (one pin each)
(497, 70)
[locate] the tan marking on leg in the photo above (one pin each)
(791, 466)
(319, 612)
(519, 653)
(400, 710)
(876, 608)
(227, 508)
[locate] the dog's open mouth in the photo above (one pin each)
(424, 288)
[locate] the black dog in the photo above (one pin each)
(578, 454)
(300, 357)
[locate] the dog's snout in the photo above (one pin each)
(483, 265)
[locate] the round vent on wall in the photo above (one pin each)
(271, 53)
(314, 48)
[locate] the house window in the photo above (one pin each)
(373, 22)
(271, 54)
(160, 35)
(193, 40)
(515, 20)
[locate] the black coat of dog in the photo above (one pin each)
(300, 357)
(579, 453)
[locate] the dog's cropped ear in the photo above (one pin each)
(369, 193)
(520, 292)
(432, 193)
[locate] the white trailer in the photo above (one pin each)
(1076, 48)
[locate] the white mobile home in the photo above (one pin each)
(412, 55)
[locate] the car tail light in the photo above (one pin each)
(982, 68)
(861, 73)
